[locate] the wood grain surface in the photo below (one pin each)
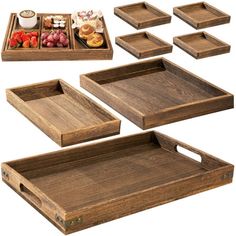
(201, 15)
(156, 92)
(63, 113)
(84, 186)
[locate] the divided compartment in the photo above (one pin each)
(201, 45)
(36, 27)
(63, 113)
(143, 44)
(142, 15)
(66, 17)
(156, 92)
(87, 185)
(201, 15)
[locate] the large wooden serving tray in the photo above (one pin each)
(143, 44)
(156, 92)
(201, 45)
(75, 51)
(84, 186)
(63, 113)
(142, 15)
(201, 15)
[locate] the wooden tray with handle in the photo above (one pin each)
(84, 186)
(75, 50)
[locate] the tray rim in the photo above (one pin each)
(165, 48)
(48, 54)
(219, 170)
(199, 54)
(60, 137)
(144, 24)
(204, 23)
(146, 121)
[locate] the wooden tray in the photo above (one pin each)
(63, 113)
(201, 15)
(75, 51)
(84, 186)
(143, 44)
(142, 15)
(156, 92)
(201, 45)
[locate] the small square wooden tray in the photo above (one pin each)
(143, 44)
(88, 185)
(201, 45)
(74, 51)
(63, 113)
(156, 92)
(142, 15)
(201, 15)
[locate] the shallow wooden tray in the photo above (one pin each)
(201, 45)
(63, 113)
(156, 92)
(142, 15)
(75, 50)
(201, 15)
(84, 186)
(143, 44)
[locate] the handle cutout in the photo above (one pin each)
(30, 195)
(188, 153)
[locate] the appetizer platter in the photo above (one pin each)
(79, 36)
(156, 92)
(201, 15)
(201, 45)
(88, 185)
(143, 44)
(142, 15)
(66, 115)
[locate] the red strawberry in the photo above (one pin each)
(26, 44)
(18, 38)
(13, 43)
(21, 32)
(34, 42)
(34, 33)
(25, 37)
(29, 34)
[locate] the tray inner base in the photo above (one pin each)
(107, 176)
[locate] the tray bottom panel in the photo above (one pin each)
(112, 175)
(64, 113)
(164, 90)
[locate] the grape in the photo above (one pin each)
(50, 44)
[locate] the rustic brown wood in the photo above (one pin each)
(201, 45)
(143, 44)
(63, 113)
(142, 15)
(201, 15)
(84, 186)
(156, 92)
(75, 51)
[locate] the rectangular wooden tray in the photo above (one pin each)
(143, 44)
(75, 50)
(156, 92)
(201, 15)
(88, 185)
(66, 115)
(201, 45)
(142, 15)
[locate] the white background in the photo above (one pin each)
(208, 213)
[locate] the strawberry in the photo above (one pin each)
(26, 44)
(29, 34)
(13, 43)
(34, 42)
(21, 32)
(18, 38)
(25, 37)
(34, 33)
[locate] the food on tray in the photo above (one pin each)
(54, 22)
(55, 38)
(27, 19)
(85, 31)
(21, 39)
(95, 40)
(91, 17)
